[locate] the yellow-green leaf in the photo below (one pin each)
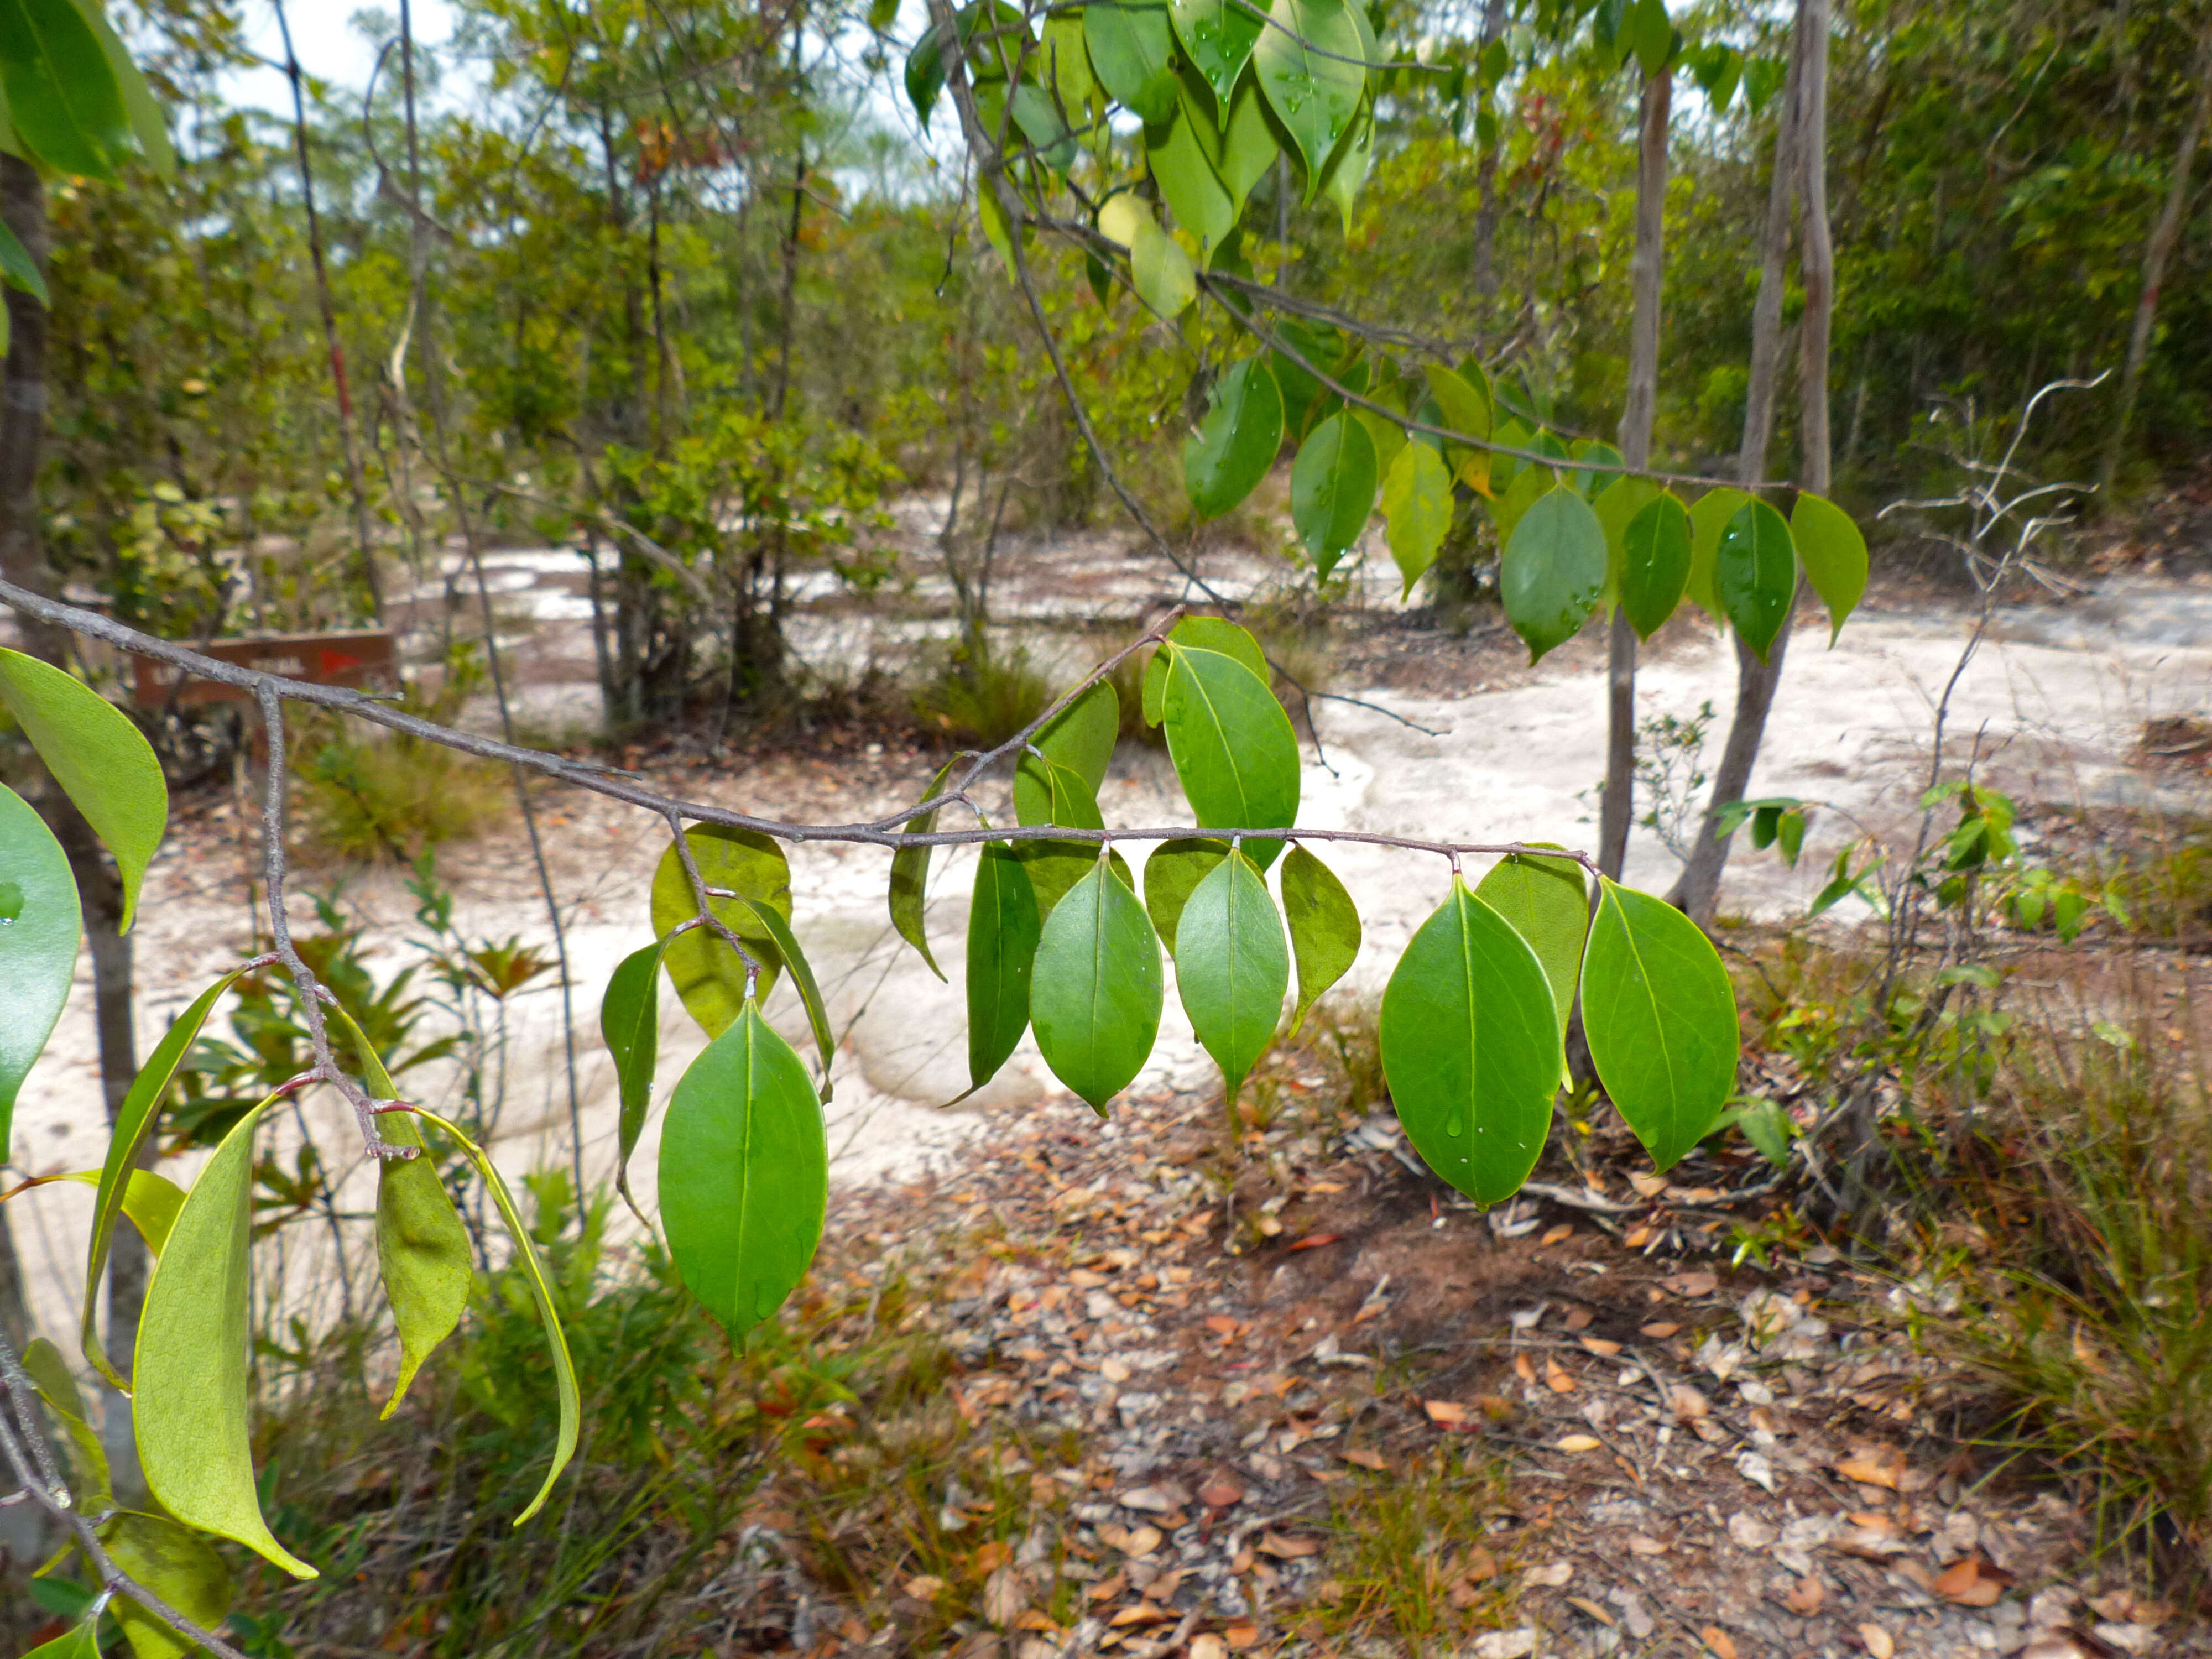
(707, 973)
(1834, 554)
(175, 1564)
(39, 923)
(910, 869)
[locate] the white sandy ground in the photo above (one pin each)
(2054, 700)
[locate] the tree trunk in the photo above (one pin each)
(100, 891)
(2156, 253)
(1616, 808)
(1796, 152)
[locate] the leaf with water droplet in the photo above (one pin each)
(1554, 570)
(37, 944)
(1310, 63)
(1233, 968)
(744, 1174)
(1470, 1036)
(1755, 574)
(1217, 37)
(1709, 516)
(1655, 563)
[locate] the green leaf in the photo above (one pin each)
(910, 871)
(1348, 165)
(708, 975)
(1046, 793)
(1324, 929)
(20, 268)
(1232, 743)
(134, 1124)
(89, 1487)
(1067, 64)
(1621, 500)
(1233, 969)
(1660, 1015)
(1834, 554)
(1172, 874)
(1554, 570)
(1082, 735)
(1003, 925)
(1709, 516)
(38, 927)
(78, 1642)
(1530, 485)
(148, 123)
(1470, 1044)
(1038, 117)
(1465, 406)
(191, 1392)
(802, 981)
(1544, 900)
(925, 74)
(629, 1021)
(1588, 482)
(1217, 37)
(1224, 460)
(421, 1247)
(744, 1174)
(181, 1569)
(1311, 65)
(1755, 574)
(62, 94)
(1333, 489)
(102, 761)
(533, 1270)
(1199, 634)
(1162, 272)
(1133, 50)
(1769, 1131)
(1648, 32)
(1655, 564)
(1096, 997)
(1417, 509)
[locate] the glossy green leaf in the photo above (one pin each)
(1387, 437)
(1834, 554)
(78, 1642)
(1554, 570)
(1217, 37)
(1648, 32)
(1188, 182)
(1324, 929)
(1224, 460)
(925, 74)
(1310, 62)
(1333, 486)
(1161, 272)
(38, 927)
(1046, 793)
(1233, 745)
(541, 1291)
(1655, 564)
(19, 270)
(1755, 574)
(134, 1124)
(1094, 998)
(803, 982)
(1470, 1044)
(1199, 634)
(1132, 51)
(148, 123)
(102, 761)
(1082, 735)
(630, 1023)
(1039, 120)
(1709, 516)
(707, 973)
(1417, 509)
(183, 1570)
(192, 1392)
(910, 871)
(1660, 1018)
(1544, 900)
(1172, 873)
(744, 1174)
(991, 217)
(1233, 968)
(61, 95)
(1068, 65)
(1530, 485)
(1466, 407)
(1348, 165)
(1003, 925)
(1621, 500)
(88, 1483)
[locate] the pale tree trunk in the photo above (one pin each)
(1617, 806)
(2156, 253)
(1800, 154)
(100, 891)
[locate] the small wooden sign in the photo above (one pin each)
(365, 659)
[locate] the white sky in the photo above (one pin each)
(331, 48)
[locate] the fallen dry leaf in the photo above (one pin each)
(1208, 1646)
(1873, 1465)
(1288, 1549)
(1693, 1286)
(1556, 1378)
(1687, 1403)
(1601, 1347)
(1315, 1241)
(1551, 1576)
(1877, 1641)
(1222, 1325)
(1107, 1588)
(1448, 1413)
(926, 1588)
(1553, 1234)
(1660, 1329)
(1241, 1562)
(1719, 1641)
(1579, 1443)
(1643, 1544)
(1240, 1636)
(990, 1556)
(1967, 1582)
(1804, 1596)
(1143, 1613)
(1036, 1621)
(1585, 1605)
(1005, 1595)
(1220, 1494)
(1479, 1565)
(1578, 1319)
(1141, 1542)
(1648, 1186)
(1366, 1458)
(1637, 1236)
(1524, 1368)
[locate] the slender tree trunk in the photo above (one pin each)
(356, 480)
(1485, 176)
(1617, 809)
(787, 301)
(100, 891)
(1798, 152)
(2156, 253)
